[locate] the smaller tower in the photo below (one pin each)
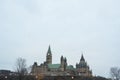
(61, 60)
(49, 56)
(63, 63)
(82, 68)
(34, 67)
(82, 58)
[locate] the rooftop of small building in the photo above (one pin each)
(53, 66)
(56, 66)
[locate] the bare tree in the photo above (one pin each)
(115, 73)
(29, 69)
(21, 67)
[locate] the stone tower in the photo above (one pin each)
(63, 63)
(49, 56)
(82, 68)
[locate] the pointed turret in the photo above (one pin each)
(82, 58)
(49, 51)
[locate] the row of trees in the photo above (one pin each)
(21, 69)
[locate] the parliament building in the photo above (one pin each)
(47, 68)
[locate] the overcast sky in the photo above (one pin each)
(71, 27)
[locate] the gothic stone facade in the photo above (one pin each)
(48, 69)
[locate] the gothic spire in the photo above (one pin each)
(49, 51)
(82, 58)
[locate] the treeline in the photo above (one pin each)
(17, 78)
(52, 78)
(73, 78)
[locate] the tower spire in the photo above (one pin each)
(49, 51)
(49, 56)
(82, 58)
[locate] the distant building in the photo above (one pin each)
(61, 69)
(6, 72)
(82, 68)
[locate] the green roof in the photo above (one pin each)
(55, 66)
(70, 67)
